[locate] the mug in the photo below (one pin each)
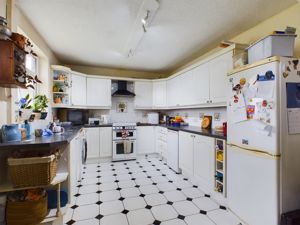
(58, 129)
(38, 132)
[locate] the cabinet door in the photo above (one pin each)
(159, 94)
(201, 81)
(218, 69)
(78, 90)
(93, 142)
(145, 137)
(204, 159)
(98, 92)
(143, 91)
(186, 154)
(105, 142)
(73, 171)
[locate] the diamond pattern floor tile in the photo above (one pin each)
(142, 192)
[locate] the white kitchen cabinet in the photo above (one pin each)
(204, 160)
(218, 69)
(105, 142)
(159, 94)
(93, 142)
(144, 94)
(98, 92)
(201, 82)
(78, 90)
(161, 141)
(196, 157)
(145, 136)
(99, 142)
(173, 86)
(75, 163)
(186, 153)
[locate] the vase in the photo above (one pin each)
(25, 114)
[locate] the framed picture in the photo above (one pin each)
(121, 107)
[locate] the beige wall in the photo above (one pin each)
(288, 17)
(9, 96)
(115, 72)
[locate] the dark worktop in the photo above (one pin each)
(190, 129)
(100, 125)
(54, 141)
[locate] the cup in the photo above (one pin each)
(38, 132)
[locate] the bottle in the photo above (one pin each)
(28, 128)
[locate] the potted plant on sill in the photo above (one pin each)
(40, 106)
(25, 110)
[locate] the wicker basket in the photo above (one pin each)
(36, 171)
(27, 212)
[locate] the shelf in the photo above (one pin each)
(219, 182)
(52, 214)
(219, 161)
(62, 93)
(59, 81)
(60, 177)
(220, 171)
(60, 105)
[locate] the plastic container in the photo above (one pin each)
(272, 45)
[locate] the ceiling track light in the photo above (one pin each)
(145, 21)
(144, 17)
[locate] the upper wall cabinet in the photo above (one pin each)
(159, 94)
(98, 92)
(143, 94)
(78, 90)
(218, 69)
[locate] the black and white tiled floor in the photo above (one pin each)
(142, 192)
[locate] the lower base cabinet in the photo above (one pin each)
(196, 157)
(99, 142)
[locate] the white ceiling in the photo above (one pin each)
(94, 32)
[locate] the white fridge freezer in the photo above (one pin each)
(262, 174)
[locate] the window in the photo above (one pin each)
(31, 64)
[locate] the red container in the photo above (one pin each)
(225, 128)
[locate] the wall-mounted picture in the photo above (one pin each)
(121, 107)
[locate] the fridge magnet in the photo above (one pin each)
(285, 74)
(121, 107)
(298, 73)
(269, 129)
(295, 62)
(288, 69)
(290, 63)
(235, 99)
(250, 111)
(264, 103)
(237, 88)
(242, 81)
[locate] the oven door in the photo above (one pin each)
(117, 134)
(124, 150)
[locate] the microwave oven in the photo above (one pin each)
(77, 116)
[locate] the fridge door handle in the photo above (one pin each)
(256, 151)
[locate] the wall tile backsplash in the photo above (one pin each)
(129, 115)
(191, 116)
(194, 116)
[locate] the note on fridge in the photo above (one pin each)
(265, 89)
(238, 109)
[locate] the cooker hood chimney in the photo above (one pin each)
(122, 89)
